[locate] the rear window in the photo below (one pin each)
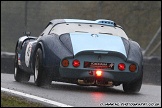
(87, 28)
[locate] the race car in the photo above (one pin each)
(82, 52)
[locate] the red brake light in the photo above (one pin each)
(121, 66)
(98, 73)
(76, 63)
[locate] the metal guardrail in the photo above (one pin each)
(7, 54)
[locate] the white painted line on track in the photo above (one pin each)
(35, 97)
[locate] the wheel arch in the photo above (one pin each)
(38, 45)
(16, 46)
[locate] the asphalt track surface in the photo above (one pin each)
(84, 96)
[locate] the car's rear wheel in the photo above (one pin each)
(41, 77)
(133, 87)
(19, 74)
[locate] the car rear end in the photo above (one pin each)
(100, 60)
(99, 65)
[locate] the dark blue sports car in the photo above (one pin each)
(83, 52)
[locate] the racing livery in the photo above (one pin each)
(83, 52)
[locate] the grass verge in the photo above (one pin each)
(8, 100)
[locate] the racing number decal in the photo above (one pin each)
(27, 54)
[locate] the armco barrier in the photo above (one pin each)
(151, 68)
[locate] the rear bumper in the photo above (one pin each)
(109, 75)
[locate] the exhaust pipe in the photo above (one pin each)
(104, 83)
(86, 81)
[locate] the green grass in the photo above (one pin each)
(14, 101)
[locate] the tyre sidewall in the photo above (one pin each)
(42, 78)
(19, 74)
(133, 87)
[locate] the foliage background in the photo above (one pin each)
(140, 19)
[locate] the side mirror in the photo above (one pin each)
(27, 33)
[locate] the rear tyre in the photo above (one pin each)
(41, 77)
(133, 87)
(19, 74)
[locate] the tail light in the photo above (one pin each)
(98, 73)
(121, 66)
(76, 63)
(132, 67)
(65, 63)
